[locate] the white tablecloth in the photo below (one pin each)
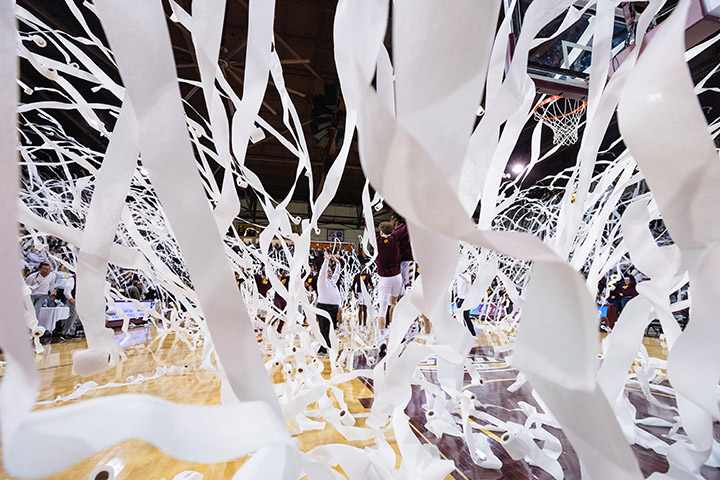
(49, 316)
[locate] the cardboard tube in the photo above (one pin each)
(346, 418)
(103, 472)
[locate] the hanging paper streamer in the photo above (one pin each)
(138, 204)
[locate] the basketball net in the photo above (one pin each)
(562, 115)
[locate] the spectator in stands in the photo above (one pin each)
(35, 258)
(42, 285)
(614, 297)
(627, 289)
(134, 291)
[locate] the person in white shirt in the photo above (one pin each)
(328, 298)
(42, 284)
(69, 324)
(462, 287)
(35, 258)
(61, 278)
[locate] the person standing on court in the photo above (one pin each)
(362, 278)
(69, 324)
(407, 263)
(389, 276)
(328, 299)
(462, 287)
(263, 286)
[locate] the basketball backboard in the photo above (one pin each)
(561, 66)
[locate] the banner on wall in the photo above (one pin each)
(128, 308)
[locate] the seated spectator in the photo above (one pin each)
(42, 285)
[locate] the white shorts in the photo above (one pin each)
(388, 287)
(262, 306)
(360, 299)
(407, 270)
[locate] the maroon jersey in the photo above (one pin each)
(628, 291)
(279, 301)
(362, 277)
(318, 261)
(262, 285)
(404, 243)
(388, 255)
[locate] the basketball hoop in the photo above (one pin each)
(562, 115)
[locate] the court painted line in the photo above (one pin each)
(492, 380)
(486, 432)
(441, 454)
(654, 393)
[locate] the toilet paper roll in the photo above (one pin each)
(478, 382)
(38, 331)
(39, 41)
(469, 394)
(91, 361)
(516, 444)
(38, 346)
(346, 418)
(49, 72)
(103, 472)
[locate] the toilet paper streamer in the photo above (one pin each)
(422, 126)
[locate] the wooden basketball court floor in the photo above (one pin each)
(137, 460)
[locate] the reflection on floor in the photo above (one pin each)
(145, 351)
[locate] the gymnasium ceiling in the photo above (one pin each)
(303, 34)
